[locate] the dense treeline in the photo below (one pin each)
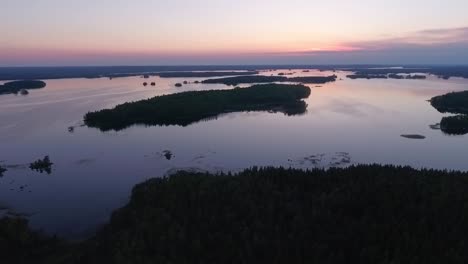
(361, 214)
(19, 244)
(189, 107)
(15, 87)
(455, 103)
(454, 125)
(269, 79)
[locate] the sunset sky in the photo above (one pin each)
(163, 32)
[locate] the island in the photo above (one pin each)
(359, 214)
(2, 171)
(178, 85)
(367, 76)
(455, 103)
(16, 87)
(454, 125)
(413, 136)
(269, 79)
(42, 165)
(189, 107)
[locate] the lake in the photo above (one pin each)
(347, 122)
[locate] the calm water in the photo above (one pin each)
(350, 120)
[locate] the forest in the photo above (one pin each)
(360, 214)
(188, 107)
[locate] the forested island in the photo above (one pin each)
(454, 103)
(16, 87)
(361, 214)
(454, 125)
(204, 74)
(269, 79)
(42, 165)
(188, 107)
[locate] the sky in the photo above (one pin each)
(201, 32)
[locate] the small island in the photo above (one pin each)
(189, 107)
(16, 87)
(178, 85)
(42, 165)
(270, 79)
(413, 136)
(2, 171)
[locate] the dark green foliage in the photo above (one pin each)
(189, 107)
(456, 103)
(270, 79)
(18, 244)
(363, 214)
(454, 125)
(2, 170)
(16, 86)
(42, 165)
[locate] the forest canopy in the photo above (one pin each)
(361, 214)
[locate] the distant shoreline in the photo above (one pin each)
(65, 72)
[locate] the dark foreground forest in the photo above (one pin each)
(362, 214)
